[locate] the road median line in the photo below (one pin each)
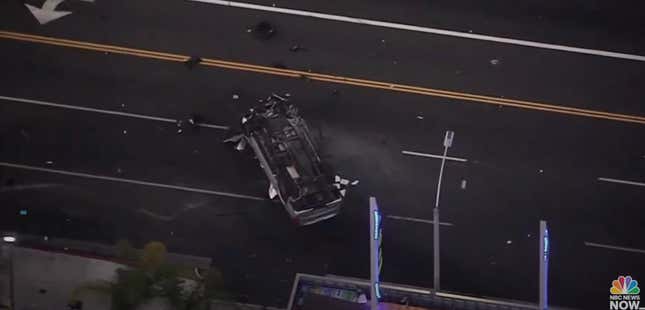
(522, 104)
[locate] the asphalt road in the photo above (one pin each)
(523, 165)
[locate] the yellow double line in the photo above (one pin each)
(326, 78)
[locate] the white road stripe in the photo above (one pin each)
(613, 247)
(621, 181)
(78, 108)
(436, 31)
(433, 156)
(130, 181)
(412, 219)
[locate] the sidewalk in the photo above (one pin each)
(48, 272)
(46, 280)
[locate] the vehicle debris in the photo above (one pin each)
(192, 62)
(280, 140)
(264, 30)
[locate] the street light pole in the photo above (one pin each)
(447, 142)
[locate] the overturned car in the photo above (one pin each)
(298, 178)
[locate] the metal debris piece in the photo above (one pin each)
(192, 62)
(344, 181)
(343, 192)
(234, 139)
(494, 62)
(279, 65)
(355, 182)
(509, 241)
(125, 132)
(272, 192)
(236, 96)
(419, 116)
(264, 30)
(296, 48)
(241, 145)
(49, 162)
(463, 184)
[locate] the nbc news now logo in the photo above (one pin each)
(624, 294)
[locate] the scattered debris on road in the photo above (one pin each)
(49, 162)
(264, 30)
(463, 184)
(297, 48)
(192, 62)
(494, 62)
(236, 96)
(355, 182)
(509, 241)
(419, 116)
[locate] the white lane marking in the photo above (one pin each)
(27, 187)
(443, 32)
(621, 181)
(130, 181)
(433, 156)
(110, 112)
(613, 247)
(412, 219)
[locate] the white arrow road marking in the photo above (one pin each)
(48, 12)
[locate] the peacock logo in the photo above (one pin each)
(624, 286)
